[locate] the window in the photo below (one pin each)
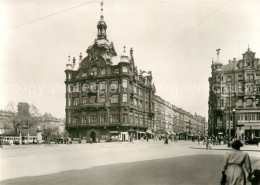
(135, 102)
(84, 100)
(245, 117)
(258, 116)
(84, 74)
(103, 87)
(249, 102)
(102, 99)
(93, 118)
(136, 119)
(116, 71)
(102, 118)
(124, 98)
(93, 87)
(69, 102)
(69, 76)
(114, 118)
(114, 86)
(76, 101)
(140, 92)
(141, 104)
(135, 89)
(94, 71)
(240, 103)
(253, 116)
(131, 118)
(93, 99)
(240, 77)
(124, 118)
(222, 103)
(103, 71)
(114, 99)
(124, 83)
(125, 69)
(229, 79)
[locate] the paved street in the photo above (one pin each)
(114, 163)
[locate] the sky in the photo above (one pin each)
(175, 39)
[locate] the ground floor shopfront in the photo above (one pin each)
(108, 134)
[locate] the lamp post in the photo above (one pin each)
(229, 115)
(234, 121)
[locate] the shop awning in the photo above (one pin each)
(168, 132)
(149, 131)
(140, 132)
(113, 132)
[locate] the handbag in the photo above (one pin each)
(223, 179)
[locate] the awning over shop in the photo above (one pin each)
(149, 131)
(113, 132)
(173, 133)
(168, 132)
(140, 132)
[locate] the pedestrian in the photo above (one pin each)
(233, 165)
(208, 142)
(166, 140)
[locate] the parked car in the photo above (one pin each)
(252, 141)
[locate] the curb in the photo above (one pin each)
(252, 150)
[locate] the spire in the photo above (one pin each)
(124, 49)
(218, 53)
(101, 4)
(131, 52)
(248, 49)
(102, 26)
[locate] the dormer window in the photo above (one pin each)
(69, 76)
(116, 71)
(94, 71)
(124, 69)
(103, 71)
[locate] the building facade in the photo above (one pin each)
(234, 97)
(108, 99)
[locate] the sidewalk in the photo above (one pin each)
(254, 148)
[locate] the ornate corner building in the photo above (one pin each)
(108, 99)
(234, 97)
(106, 96)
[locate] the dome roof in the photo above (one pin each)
(124, 58)
(217, 63)
(101, 23)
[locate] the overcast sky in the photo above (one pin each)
(176, 40)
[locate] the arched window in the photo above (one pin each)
(94, 71)
(239, 103)
(124, 69)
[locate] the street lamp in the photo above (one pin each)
(234, 121)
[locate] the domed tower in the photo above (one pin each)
(216, 64)
(102, 26)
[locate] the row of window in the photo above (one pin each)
(240, 103)
(249, 117)
(249, 77)
(102, 99)
(113, 118)
(94, 72)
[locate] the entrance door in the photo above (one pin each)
(93, 136)
(123, 137)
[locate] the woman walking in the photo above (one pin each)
(233, 163)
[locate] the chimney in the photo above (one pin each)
(234, 59)
(229, 61)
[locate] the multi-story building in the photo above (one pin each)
(234, 97)
(173, 120)
(107, 98)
